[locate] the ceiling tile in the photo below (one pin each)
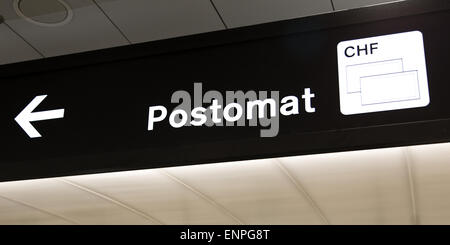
(157, 195)
(13, 213)
(13, 48)
(146, 20)
(351, 4)
(431, 172)
(256, 192)
(249, 12)
(69, 202)
(89, 29)
(360, 187)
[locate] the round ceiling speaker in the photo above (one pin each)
(49, 13)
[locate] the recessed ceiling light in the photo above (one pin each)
(49, 13)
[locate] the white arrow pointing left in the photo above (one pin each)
(27, 115)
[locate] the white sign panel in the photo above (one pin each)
(382, 73)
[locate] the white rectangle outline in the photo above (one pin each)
(374, 62)
(418, 88)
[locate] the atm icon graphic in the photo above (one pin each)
(391, 77)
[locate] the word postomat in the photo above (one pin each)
(238, 109)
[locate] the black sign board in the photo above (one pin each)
(89, 112)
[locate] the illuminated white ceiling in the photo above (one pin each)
(98, 24)
(405, 185)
